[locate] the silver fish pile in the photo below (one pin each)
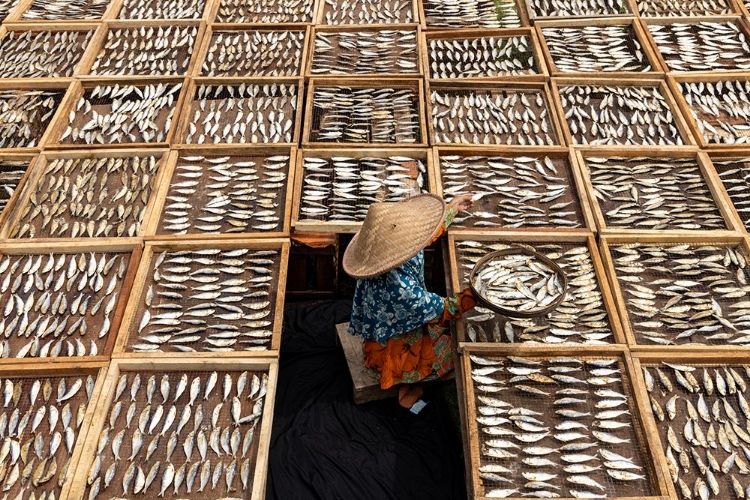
(41, 54)
(122, 114)
(266, 11)
(703, 46)
(342, 188)
(58, 10)
(40, 423)
(50, 302)
(576, 8)
(255, 53)
(155, 9)
(518, 282)
(684, 293)
(368, 12)
(481, 57)
(492, 117)
(580, 318)
(5, 7)
(217, 194)
(681, 8)
(512, 192)
(595, 49)
(653, 193)
(25, 114)
(11, 173)
(179, 434)
(243, 113)
(627, 114)
(471, 14)
(556, 427)
(735, 175)
(383, 115)
(365, 52)
(701, 413)
(721, 109)
(88, 198)
(208, 300)
(146, 51)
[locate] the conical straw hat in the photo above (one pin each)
(393, 233)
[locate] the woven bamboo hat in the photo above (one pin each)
(393, 233)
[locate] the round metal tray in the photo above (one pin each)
(514, 313)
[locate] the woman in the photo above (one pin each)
(404, 326)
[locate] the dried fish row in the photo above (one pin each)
(485, 56)
(255, 53)
(176, 434)
(735, 175)
(581, 318)
(384, 115)
(226, 194)
(699, 410)
(512, 192)
(596, 49)
(341, 188)
(245, 113)
(653, 193)
(6, 6)
(154, 9)
(25, 114)
(679, 8)
(265, 11)
(368, 12)
(40, 54)
(365, 52)
(207, 300)
(702, 46)
(122, 114)
(492, 116)
(161, 50)
(577, 8)
(720, 109)
(51, 301)
(677, 294)
(619, 114)
(552, 427)
(63, 10)
(11, 173)
(41, 423)
(88, 198)
(471, 14)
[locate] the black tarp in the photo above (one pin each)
(326, 447)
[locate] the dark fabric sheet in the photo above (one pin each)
(326, 447)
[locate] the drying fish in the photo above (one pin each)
(255, 53)
(576, 8)
(678, 8)
(11, 173)
(47, 10)
(480, 57)
(41, 54)
(155, 9)
(735, 175)
(365, 52)
(368, 12)
(24, 116)
(471, 14)
(266, 11)
(720, 109)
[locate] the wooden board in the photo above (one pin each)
(37, 188)
(301, 223)
(567, 241)
(638, 435)
(257, 453)
(639, 345)
(705, 169)
(567, 174)
(366, 388)
(158, 228)
(129, 336)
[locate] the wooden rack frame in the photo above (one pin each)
(576, 184)
(542, 74)
(119, 367)
(732, 213)
(642, 430)
(713, 183)
(143, 276)
(619, 298)
(22, 189)
(22, 199)
(546, 237)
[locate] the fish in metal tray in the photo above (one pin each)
(40, 54)
(255, 53)
(365, 52)
(368, 12)
(266, 11)
(481, 57)
(720, 109)
(153, 9)
(472, 14)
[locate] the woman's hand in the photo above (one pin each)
(462, 202)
